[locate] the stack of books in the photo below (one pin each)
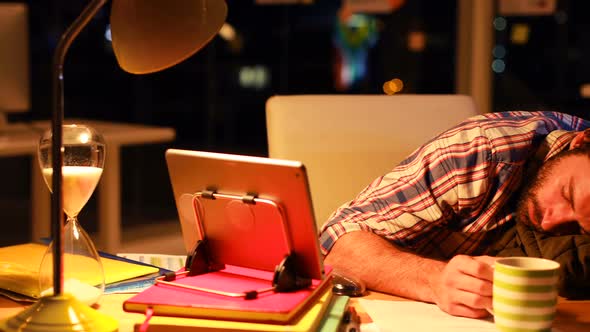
(172, 308)
(324, 315)
(19, 276)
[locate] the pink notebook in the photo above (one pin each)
(271, 307)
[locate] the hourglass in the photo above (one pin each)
(83, 151)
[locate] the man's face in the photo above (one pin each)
(558, 199)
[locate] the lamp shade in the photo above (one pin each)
(151, 35)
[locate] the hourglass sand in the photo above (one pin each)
(83, 160)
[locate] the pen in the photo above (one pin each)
(350, 321)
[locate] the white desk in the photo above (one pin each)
(572, 316)
(21, 140)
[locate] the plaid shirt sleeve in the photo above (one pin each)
(459, 181)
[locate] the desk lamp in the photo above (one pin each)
(148, 36)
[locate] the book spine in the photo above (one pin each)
(333, 320)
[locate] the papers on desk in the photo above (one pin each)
(398, 316)
(169, 262)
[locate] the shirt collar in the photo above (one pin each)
(555, 142)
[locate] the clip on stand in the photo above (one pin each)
(285, 278)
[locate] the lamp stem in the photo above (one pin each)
(57, 221)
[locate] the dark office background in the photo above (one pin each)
(215, 100)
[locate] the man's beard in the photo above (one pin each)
(528, 197)
(533, 179)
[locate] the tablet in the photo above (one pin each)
(252, 210)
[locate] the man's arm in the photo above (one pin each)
(461, 287)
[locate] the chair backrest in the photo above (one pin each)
(346, 141)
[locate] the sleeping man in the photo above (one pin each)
(499, 184)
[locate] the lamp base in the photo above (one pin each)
(59, 313)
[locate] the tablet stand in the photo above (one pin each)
(199, 260)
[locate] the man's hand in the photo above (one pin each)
(461, 287)
(464, 287)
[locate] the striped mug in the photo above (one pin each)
(524, 293)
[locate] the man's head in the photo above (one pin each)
(557, 200)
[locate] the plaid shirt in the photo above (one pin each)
(453, 191)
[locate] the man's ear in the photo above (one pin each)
(580, 139)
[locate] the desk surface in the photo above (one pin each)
(572, 316)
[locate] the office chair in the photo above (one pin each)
(346, 141)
